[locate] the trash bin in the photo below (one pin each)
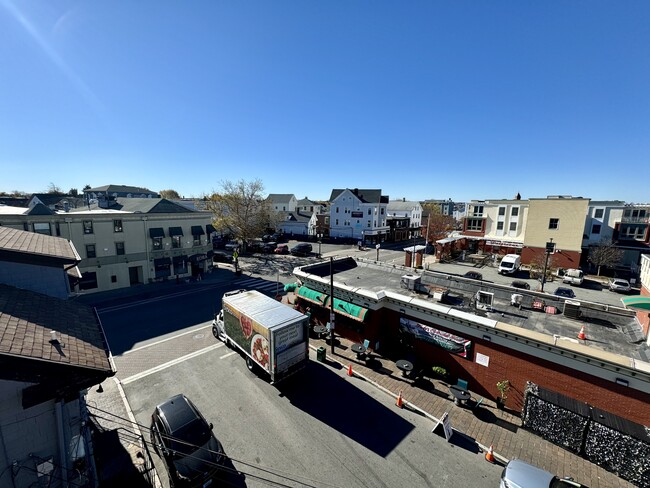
(321, 354)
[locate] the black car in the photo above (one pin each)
(520, 284)
(269, 247)
(473, 275)
(302, 249)
(564, 293)
(184, 440)
(221, 257)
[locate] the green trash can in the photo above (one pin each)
(321, 354)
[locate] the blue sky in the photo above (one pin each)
(455, 99)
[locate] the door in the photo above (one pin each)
(135, 275)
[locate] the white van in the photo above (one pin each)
(573, 277)
(510, 264)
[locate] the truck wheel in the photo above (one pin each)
(250, 364)
(215, 332)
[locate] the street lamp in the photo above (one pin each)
(550, 247)
(320, 237)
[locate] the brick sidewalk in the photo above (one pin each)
(487, 426)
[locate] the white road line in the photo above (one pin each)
(209, 324)
(229, 354)
(168, 364)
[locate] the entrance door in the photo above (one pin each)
(135, 275)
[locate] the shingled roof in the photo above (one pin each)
(15, 242)
(366, 196)
(120, 189)
(139, 205)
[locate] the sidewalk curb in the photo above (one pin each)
(498, 457)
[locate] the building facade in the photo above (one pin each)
(358, 215)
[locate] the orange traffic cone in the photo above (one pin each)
(350, 370)
(582, 336)
(400, 402)
(489, 455)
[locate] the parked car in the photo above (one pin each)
(221, 257)
(473, 275)
(255, 246)
(282, 249)
(232, 245)
(269, 247)
(564, 292)
(520, 284)
(185, 441)
(619, 285)
(278, 238)
(302, 249)
(520, 474)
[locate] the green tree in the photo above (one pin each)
(74, 192)
(170, 194)
(240, 209)
(436, 225)
(604, 254)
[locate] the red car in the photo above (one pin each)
(282, 249)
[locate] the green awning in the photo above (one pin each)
(637, 303)
(350, 310)
(312, 295)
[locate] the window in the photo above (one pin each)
(58, 229)
(337, 222)
(88, 281)
(475, 224)
(598, 214)
(42, 228)
(369, 211)
(636, 232)
(157, 243)
(515, 211)
(113, 279)
(176, 242)
(499, 225)
(119, 248)
(595, 229)
(382, 210)
(502, 210)
(88, 226)
(368, 225)
(337, 209)
(554, 223)
(117, 226)
(90, 251)
(196, 240)
(478, 211)
(513, 226)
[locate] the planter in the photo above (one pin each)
(501, 403)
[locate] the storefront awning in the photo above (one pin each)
(210, 229)
(175, 231)
(637, 303)
(312, 295)
(350, 310)
(197, 258)
(155, 232)
(500, 243)
(197, 230)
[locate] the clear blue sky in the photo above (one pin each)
(454, 99)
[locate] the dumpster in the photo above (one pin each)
(321, 354)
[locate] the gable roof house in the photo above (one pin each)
(296, 223)
(283, 202)
(358, 214)
(51, 351)
(397, 211)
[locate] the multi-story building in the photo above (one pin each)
(398, 210)
(556, 219)
(446, 207)
(129, 242)
(283, 202)
(118, 191)
(308, 207)
(358, 215)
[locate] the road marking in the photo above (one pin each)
(209, 324)
(168, 364)
(229, 354)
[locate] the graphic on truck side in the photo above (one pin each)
(248, 334)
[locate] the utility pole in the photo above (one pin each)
(332, 302)
(550, 247)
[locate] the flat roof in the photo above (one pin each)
(610, 329)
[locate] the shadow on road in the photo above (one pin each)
(341, 405)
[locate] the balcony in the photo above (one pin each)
(636, 219)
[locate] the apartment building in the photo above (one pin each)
(495, 226)
(404, 219)
(358, 214)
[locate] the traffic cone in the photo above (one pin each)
(489, 455)
(582, 336)
(399, 402)
(350, 370)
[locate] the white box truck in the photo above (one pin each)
(273, 336)
(510, 264)
(573, 277)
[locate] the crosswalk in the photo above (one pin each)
(267, 287)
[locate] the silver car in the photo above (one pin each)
(619, 285)
(520, 474)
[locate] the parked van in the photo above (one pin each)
(510, 264)
(573, 277)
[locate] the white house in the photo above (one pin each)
(358, 215)
(283, 202)
(408, 209)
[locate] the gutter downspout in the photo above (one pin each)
(63, 458)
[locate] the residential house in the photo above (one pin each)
(307, 206)
(295, 224)
(115, 191)
(283, 202)
(447, 207)
(126, 241)
(358, 215)
(51, 352)
(397, 210)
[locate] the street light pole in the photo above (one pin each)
(332, 302)
(550, 246)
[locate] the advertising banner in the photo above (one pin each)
(450, 342)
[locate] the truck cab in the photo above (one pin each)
(510, 264)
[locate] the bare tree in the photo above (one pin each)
(537, 265)
(170, 194)
(54, 189)
(437, 225)
(241, 210)
(604, 254)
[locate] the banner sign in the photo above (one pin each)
(356, 215)
(450, 342)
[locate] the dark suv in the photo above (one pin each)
(302, 249)
(184, 440)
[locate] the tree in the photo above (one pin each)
(604, 254)
(87, 187)
(170, 194)
(436, 226)
(241, 210)
(53, 189)
(74, 192)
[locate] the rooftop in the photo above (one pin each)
(15, 241)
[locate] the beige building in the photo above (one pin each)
(130, 241)
(559, 220)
